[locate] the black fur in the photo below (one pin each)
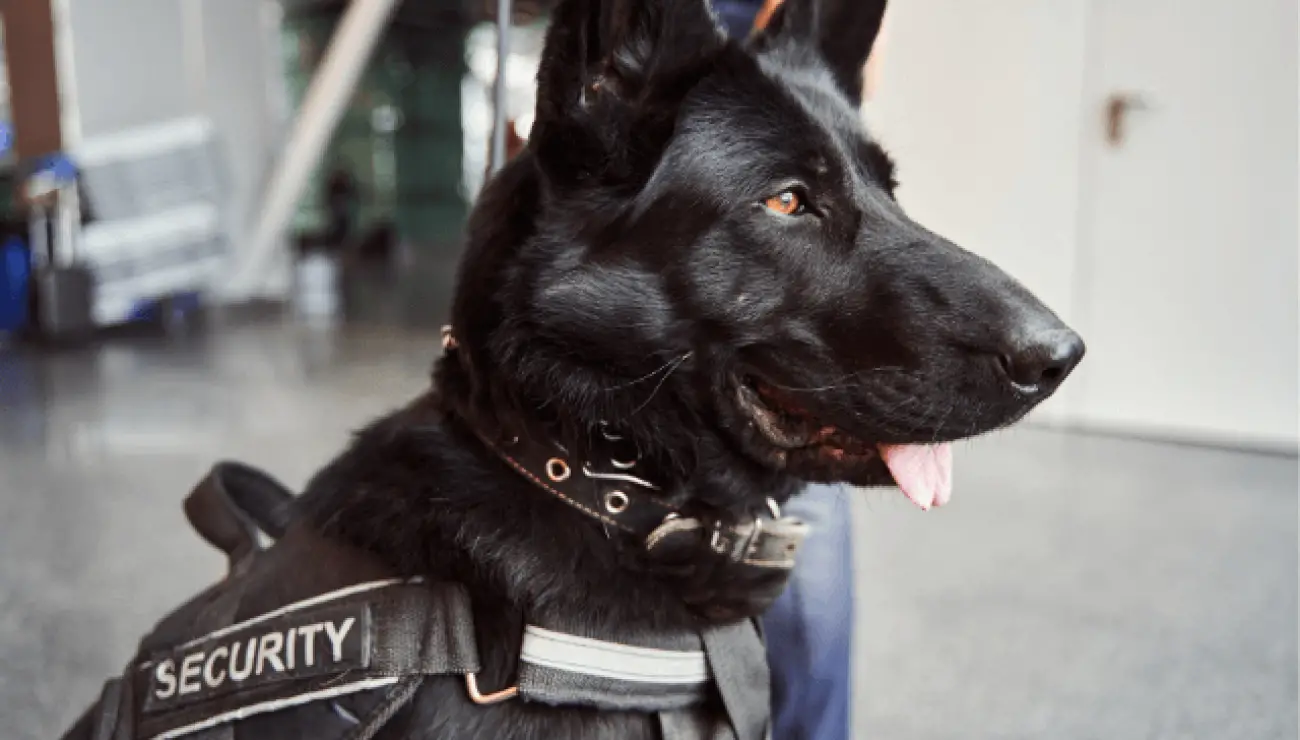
(625, 269)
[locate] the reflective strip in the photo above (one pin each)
(305, 603)
(278, 704)
(612, 660)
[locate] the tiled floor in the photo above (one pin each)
(1076, 588)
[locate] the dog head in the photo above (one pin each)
(701, 245)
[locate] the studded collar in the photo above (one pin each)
(613, 493)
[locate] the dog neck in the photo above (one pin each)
(424, 493)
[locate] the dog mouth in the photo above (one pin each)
(806, 445)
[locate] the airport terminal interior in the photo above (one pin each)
(266, 213)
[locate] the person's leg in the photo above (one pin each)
(809, 630)
(737, 16)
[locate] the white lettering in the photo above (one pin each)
(239, 674)
(214, 680)
(336, 636)
(191, 667)
(309, 643)
(165, 674)
(268, 651)
(288, 647)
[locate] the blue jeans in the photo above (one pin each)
(809, 629)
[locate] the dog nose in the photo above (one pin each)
(1042, 360)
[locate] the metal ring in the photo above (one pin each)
(616, 502)
(471, 687)
(558, 470)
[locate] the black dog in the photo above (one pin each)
(699, 250)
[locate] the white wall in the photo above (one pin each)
(1189, 247)
(129, 63)
(140, 62)
(242, 69)
(979, 102)
(993, 112)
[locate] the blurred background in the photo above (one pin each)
(229, 228)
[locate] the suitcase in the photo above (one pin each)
(15, 282)
(64, 287)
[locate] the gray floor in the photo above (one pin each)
(1076, 588)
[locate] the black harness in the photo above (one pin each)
(307, 621)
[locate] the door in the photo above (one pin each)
(1186, 275)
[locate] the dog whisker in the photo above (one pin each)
(974, 424)
(670, 366)
(660, 384)
(923, 419)
(939, 427)
(838, 383)
(890, 413)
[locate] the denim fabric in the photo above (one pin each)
(736, 16)
(809, 629)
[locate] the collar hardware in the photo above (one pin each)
(558, 470)
(496, 697)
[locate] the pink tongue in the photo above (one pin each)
(924, 472)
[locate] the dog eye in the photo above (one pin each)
(786, 203)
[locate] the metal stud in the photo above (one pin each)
(558, 470)
(623, 464)
(616, 502)
(623, 477)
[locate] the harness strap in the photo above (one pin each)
(114, 721)
(397, 698)
(560, 668)
(233, 503)
(426, 629)
(361, 638)
(688, 725)
(739, 663)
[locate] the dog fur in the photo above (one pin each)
(624, 268)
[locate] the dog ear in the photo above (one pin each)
(611, 77)
(842, 31)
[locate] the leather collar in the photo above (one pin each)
(612, 493)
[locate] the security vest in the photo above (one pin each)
(309, 637)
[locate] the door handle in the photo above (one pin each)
(1118, 106)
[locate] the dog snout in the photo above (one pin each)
(1038, 358)
(1034, 351)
